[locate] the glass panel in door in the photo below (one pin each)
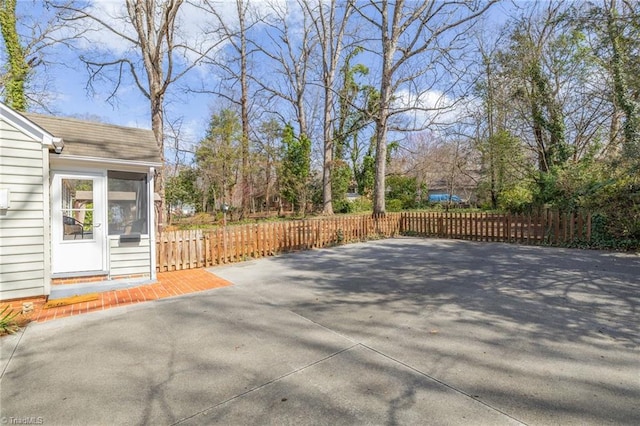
(77, 209)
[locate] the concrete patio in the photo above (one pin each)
(400, 331)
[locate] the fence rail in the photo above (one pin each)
(178, 250)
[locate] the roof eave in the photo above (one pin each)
(28, 127)
(110, 161)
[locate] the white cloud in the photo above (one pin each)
(113, 14)
(432, 107)
(192, 26)
(194, 29)
(427, 106)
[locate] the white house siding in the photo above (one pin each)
(23, 253)
(127, 259)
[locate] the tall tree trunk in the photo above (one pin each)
(330, 31)
(379, 186)
(151, 40)
(327, 194)
(389, 45)
(157, 126)
(267, 191)
(244, 108)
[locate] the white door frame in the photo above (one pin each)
(79, 256)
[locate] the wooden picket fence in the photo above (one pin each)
(178, 250)
(549, 227)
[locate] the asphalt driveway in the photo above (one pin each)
(400, 331)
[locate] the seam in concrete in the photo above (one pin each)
(453, 388)
(284, 307)
(324, 327)
(15, 348)
(206, 410)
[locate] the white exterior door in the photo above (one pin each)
(78, 232)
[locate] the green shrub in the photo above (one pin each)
(403, 189)
(394, 205)
(343, 206)
(7, 321)
(604, 235)
(618, 203)
(516, 200)
(362, 204)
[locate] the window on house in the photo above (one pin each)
(127, 203)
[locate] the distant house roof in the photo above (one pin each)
(98, 140)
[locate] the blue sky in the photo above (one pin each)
(67, 76)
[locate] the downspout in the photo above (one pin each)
(150, 223)
(58, 145)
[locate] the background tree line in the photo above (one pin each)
(511, 106)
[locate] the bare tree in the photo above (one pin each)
(330, 24)
(493, 139)
(287, 50)
(151, 28)
(236, 71)
(177, 146)
(269, 155)
(406, 32)
(439, 164)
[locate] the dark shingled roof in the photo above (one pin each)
(98, 140)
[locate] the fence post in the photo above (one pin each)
(175, 247)
(229, 244)
(208, 249)
(572, 230)
(186, 249)
(178, 249)
(160, 252)
(237, 244)
(580, 225)
(198, 248)
(485, 226)
(424, 222)
(192, 250)
(507, 224)
(169, 236)
(244, 244)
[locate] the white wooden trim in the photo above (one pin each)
(46, 210)
(26, 126)
(152, 221)
(68, 160)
